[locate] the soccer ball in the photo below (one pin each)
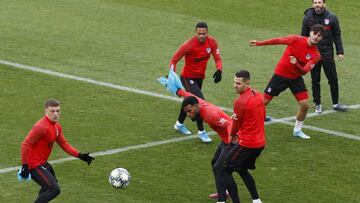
(119, 178)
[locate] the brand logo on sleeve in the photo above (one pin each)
(218, 51)
(222, 121)
(326, 21)
(308, 57)
(234, 116)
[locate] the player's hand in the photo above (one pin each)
(292, 60)
(253, 43)
(24, 171)
(341, 57)
(86, 157)
(217, 76)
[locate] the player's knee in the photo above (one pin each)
(55, 191)
(304, 106)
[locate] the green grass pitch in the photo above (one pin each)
(129, 43)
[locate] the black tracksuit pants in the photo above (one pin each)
(331, 74)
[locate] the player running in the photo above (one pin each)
(299, 58)
(222, 124)
(197, 52)
(36, 149)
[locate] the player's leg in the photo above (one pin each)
(49, 186)
(331, 75)
(299, 90)
(179, 125)
(276, 85)
(195, 89)
(315, 86)
(243, 159)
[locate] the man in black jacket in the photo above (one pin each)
(318, 14)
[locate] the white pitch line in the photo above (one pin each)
(330, 132)
(134, 90)
(117, 150)
(91, 81)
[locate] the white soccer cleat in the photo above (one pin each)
(301, 134)
(318, 109)
(182, 129)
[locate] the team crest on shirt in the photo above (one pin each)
(308, 56)
(326, 21)
(269, 89)
(208, 50)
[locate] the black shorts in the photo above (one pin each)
(242, 158)
(278, 84)
(193, 85)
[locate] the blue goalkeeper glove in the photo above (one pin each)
(23, 173)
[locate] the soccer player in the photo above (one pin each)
(218, 120)
(300, 56)
(36, 149)
(248, 137)
(196, 51)
(318, 14)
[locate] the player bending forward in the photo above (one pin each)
(221, 123)
(299, 58)
(36, 149)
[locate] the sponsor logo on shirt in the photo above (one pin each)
(269, 89)
(308, 57)
(326, 21)
(234, 116)
(208, 50)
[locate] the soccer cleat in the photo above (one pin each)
(340, 107)
(203, 136)
(318, 109)
(301, 134)
(182, 129)
(267, 118)
(215, 195)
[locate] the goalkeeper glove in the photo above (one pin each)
(217, 76)
(24, 173)
(85, 157)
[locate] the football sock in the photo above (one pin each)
(298, 125)
(199, 132)
(178, 123)
(257, 201)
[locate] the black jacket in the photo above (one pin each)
(332, 31)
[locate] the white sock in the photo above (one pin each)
(178, 123)
(298, 125)
(199, 132)
(334, 105)
(257, 201)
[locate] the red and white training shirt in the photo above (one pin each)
(197, 55)
(38, 144)
(216, 118)
(306, 55)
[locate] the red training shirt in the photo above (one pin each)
(217, 119)
(307, 56)
(38, 144)
(196, 55)
(248, 119)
